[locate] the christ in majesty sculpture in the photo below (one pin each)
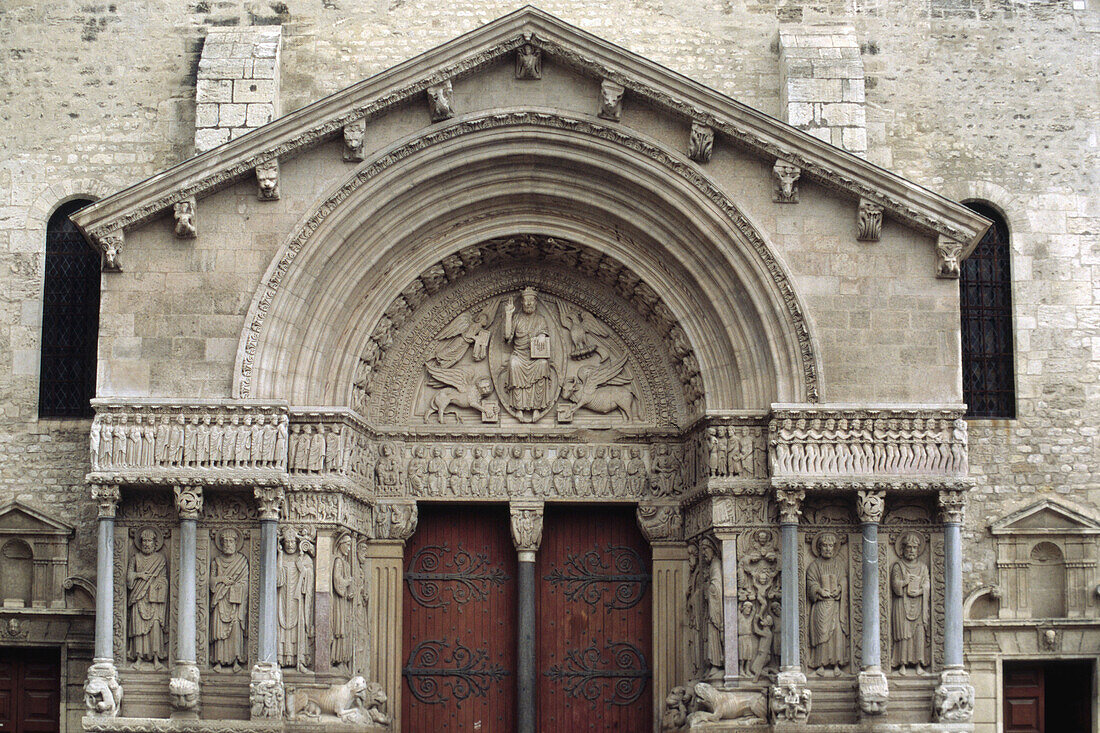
(529, 376)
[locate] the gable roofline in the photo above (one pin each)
(1088, 524)
(56, 526)
(324, 119)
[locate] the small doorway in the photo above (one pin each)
(1048, 697)
(30, 690)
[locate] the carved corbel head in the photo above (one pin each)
(354, 133)
(111, 244)
(184, 213)
(267, 180)
(947, 258)
(700, 143)
(786, 181)
(611, 100)
(869, 221)
(440, 101)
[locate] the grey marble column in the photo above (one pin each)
(953, 699)
(790, 697)
(873, 687)
(184, 686)
(729, 607)
(266, 694)
(526, 535)
(102, 691)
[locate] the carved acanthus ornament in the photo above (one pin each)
(790, 505)
(661, 522)
(611, 100)
(952, 506)
(270, 501)
(184, 214)
(526, 525)
(106, 497)
(267, 180)
(441, 101)
(354, 135)
(869, 221)
(947, 257)
(870, 505)
(786, 181)
(188, 501)
(701, 143)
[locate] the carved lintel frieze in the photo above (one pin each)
(786, 181)
(395, 520)
(870, 505)
(106, 497)
(701, 142)
(529, 62)
(947, 258)
(188, 501)
(111, 244)
(526, 525)
(611, 100)
(441, 101)
(184, 214)
(868, 221)
(790, 504)
(661, 522)
(267, 180)
(354, 134)
(270, 500)
(952, 506)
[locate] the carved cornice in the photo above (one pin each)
(224, 479)
(188, 501)
(97, 724)
(889, 484)
(526, 525)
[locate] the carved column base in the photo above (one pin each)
(184, 691)
(266, 694)
(874, 691)
(102, 691)
(953, 701)
(790, 698)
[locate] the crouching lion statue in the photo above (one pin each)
(356, 701)
(102, 693)
(693, 707)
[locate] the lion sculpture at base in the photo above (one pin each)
(356, 701)
(704, 703)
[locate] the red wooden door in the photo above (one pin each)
(30, 691)
(594, 622)
(460, 622)
(1024, 700)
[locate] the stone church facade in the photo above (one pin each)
(482, 368)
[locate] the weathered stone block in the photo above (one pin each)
(210, 137)
(253, 90)
(213, 90)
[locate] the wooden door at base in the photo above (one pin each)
(30, 691)
(1023, 694)
(459, 622)
(594, 622)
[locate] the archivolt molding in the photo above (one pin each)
(686, 171)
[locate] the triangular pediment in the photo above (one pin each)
(690, 102)
(1046, 516)
(18, 518)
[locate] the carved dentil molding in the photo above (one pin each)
(188, 501)
(526, 525)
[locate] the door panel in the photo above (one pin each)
(459, 622)
(594, 622)
(30, 691)
(1024, 700)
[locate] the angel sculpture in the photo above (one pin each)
(602, 388)
(469, 329)
(581, 329)
(459, 387)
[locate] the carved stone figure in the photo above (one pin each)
(498, 472)
(616, 471)
(675, 713)
(953, 699)
(786, 182)
(563, 472)
(600, 471)
(267, 180)
(184, 213)
(528, 385)
(343, 601)
(583, 332)
(611, 100)
(517, 476)
(700, 143)
(947, 257)
(459, 469)
(635, 473)
(910, 587)
(713, 705)
(418, 472)
(760, 568)
(354, 133)
(665, 478)
(112, 247)
(826, 590)
(602, 388)
(479, 473)
(459, 387)
(437, 472)
(228, 603)
(266, 696)
(147, 600)
(869, 221)
(714, 650)
(102, 692)
(528, 62)
(356, 701)
(790, 699)
(540, 472)
(295, 593)
(440, 100)
(183, 688)
(582, 472)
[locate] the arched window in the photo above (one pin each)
(985, 297)
(70, 319)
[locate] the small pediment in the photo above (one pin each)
(1046, 517)
(18, 518)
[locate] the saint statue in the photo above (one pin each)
(911, 589)
(343, 603)
(147, 583)
(712, 594)
(528, 367)
(826, 581)
(228, 602)
(295, 612)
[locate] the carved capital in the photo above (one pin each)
(869, 221)
(188, 501)
(111, 244)
(184, 214)
(354, 134)
(790, 504)
(611, 100)
(661, 522)
(106, 496)
(947, 258)
(952, 506)
(701, 143)
(266, 694)
(269, 499)
(441, 101)
(267, 180)
(528, 62)
(526, 525)
(786, 181)
(870, 505)
(395, 520)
